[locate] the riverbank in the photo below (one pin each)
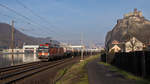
(75, 74)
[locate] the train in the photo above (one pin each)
(48, 51)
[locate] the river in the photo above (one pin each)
(16, 59)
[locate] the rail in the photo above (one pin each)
(12, 75)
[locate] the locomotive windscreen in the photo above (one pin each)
(43, 49)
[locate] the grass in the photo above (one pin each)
(127, 75)
(76, 74)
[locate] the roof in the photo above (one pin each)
(30, 46)
(120, 45)
(115, 42)
(133, 38)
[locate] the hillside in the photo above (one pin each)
(132, 25)
(20, 38)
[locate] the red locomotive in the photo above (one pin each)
(49, 51)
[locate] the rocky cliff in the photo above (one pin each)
(132, 25)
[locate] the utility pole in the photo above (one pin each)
(12, 41)
(82, 57)
(91, 48)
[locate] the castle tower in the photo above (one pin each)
(140, 14)
(135, 10)
(135, 13)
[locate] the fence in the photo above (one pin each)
(137, 62)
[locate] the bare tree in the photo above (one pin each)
(133, 44)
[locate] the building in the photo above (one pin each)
(134, 45)
(135, 13)
(116, 47)
(14, 51)
(130, 45)
(30, 48)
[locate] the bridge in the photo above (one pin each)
(30, 48)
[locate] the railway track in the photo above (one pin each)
(16, 67)
(11, 75)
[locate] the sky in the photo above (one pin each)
(67, 20)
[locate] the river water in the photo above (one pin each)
(16, 59)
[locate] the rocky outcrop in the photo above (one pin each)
(132, 25)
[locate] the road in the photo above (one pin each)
(100, 74)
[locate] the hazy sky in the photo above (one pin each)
(67, 19)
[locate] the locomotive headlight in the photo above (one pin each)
(46, 53)
(43, 53)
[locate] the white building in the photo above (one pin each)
(115, 48)
(12, 51)
(133, 45)
(32, 48)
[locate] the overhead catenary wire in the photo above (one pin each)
(25, 17)
(35, 14)
(10, 9)
(31, 11)
(31, 30)
(30, 21)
